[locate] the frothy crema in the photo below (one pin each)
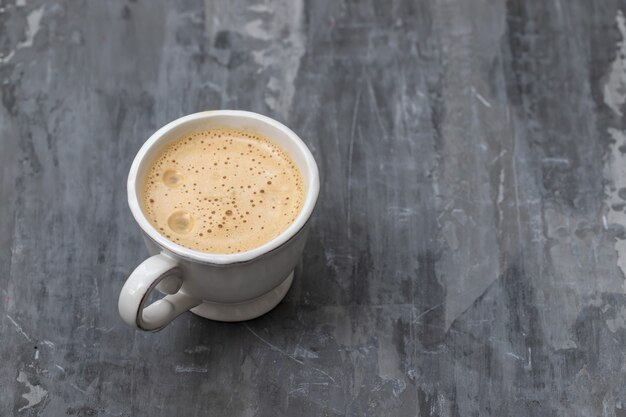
(222, 191)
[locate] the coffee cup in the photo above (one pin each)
(217, 286)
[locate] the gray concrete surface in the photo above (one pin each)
(467, 255)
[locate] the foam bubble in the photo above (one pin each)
(172, 178)
(180, 221)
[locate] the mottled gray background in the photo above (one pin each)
(467, 254)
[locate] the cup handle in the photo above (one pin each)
(159, 271)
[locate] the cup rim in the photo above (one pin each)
(215, 258)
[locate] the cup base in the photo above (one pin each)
(246, 310)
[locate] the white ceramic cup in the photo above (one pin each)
(225, 287)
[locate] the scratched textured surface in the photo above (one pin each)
(467, 255)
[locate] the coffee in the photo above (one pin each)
(222, 190)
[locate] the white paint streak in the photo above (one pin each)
(35, 393)
(350, 152)
(513, 355)
(480, 98)
(190, 369)
(615, 86)
(105, 329)
(301, 352)
(334, 259)
(59, 367)
(95, 295)
(279, 350)
(501, 192)
(528, 362)
(49, 344)
(301, 390)
(416, 319)
(259, 8)
(33, 22)
(529, 359)
(564, 161)
(77, 388)
(198, 349)
(615, 172)
(500, 155)
(37, 354)
(277, 42)
(255, 29)
(619, 322)
(401, 212)
(7, 57)
(19, 328)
